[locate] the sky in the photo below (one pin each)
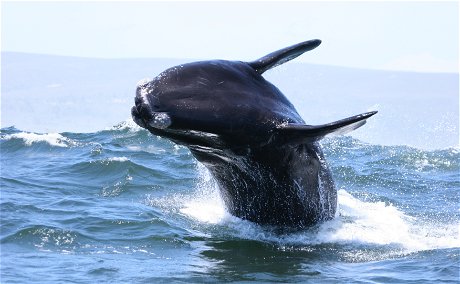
(395, 35)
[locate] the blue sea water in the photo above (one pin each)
(123, 206)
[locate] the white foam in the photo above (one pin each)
(127, 124)
(53, 139)
(357, 223)
(118, 159)
(366, 222)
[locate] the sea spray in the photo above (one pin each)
(358, 223)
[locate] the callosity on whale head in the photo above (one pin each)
(267, 162)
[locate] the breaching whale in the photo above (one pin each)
(267, 162)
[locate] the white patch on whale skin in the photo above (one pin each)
(160, 120)
(145, 88)
(143, 82)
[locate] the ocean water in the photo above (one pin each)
(120, 205)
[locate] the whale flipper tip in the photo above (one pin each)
(283, 55)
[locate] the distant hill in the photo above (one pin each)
(45, 93)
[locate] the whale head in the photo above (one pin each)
(226, 98)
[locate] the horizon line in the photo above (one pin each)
(187, 60)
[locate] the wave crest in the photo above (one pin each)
(52, 139)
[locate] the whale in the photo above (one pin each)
(267, 162)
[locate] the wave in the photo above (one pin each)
(354, 163)
(93, 238)
(398, 156)
(379, 201)
(129, 129)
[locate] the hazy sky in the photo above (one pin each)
(416, 36)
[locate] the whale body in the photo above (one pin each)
(267, 162)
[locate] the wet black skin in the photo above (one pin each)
(268, 164)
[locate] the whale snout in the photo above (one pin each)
(144, 114)
(146, 119)
(137, 117)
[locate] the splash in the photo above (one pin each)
(383, 224)
(358, 223)
(205, 205)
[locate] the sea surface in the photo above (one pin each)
(120, 205)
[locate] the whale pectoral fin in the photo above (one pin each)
(283, 55)
(298, 133)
